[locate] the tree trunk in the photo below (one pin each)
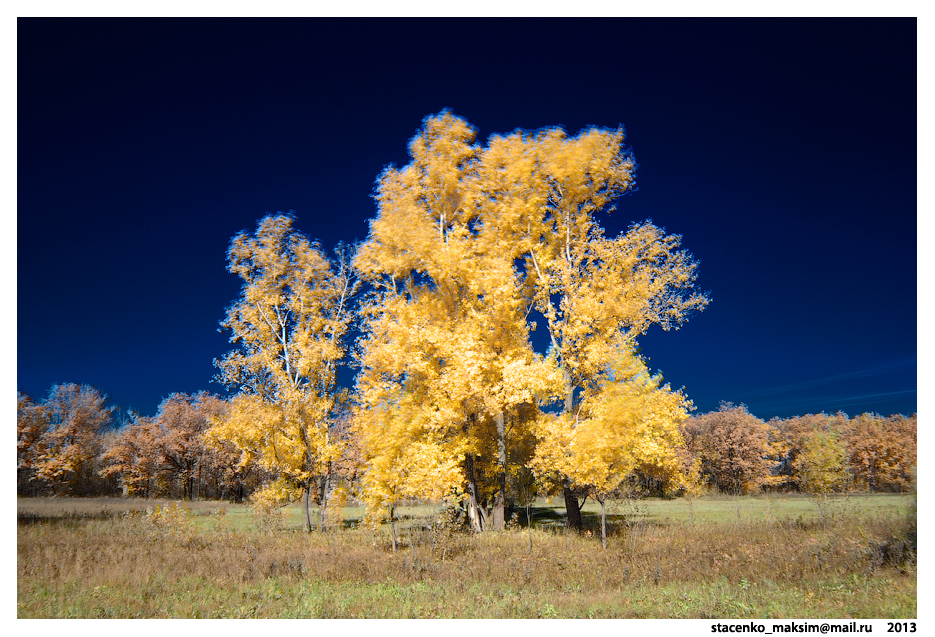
(324, 488)
(307, 505)
(603, 524)
(393, 525)
(498, 521)
(569, 392)
(572, 508)
(475, 512)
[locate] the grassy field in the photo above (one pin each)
(740, 558)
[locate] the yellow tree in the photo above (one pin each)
(290, 323)
(477, 237)
(821, 466)
(404, 460)
(590, 289)
(229, 472)
(447, 336)
(631, 422)
(791, 434)
(414, 394)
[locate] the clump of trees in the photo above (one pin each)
(473, 248)
(882, 451)
(170, 455)
(815, 453)
(71, 444)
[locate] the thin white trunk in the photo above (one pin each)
(499, 504)
(603, 524)
(393, 525)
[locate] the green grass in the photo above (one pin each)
(724, 509)
(281, 598)
(82, 558)
(550, 513)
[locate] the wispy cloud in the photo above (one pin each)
(816, 383)
(886, 387)
(829, 403)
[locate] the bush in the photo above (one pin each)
(173, 523)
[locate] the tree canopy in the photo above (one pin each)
(469, 246)
(290, 323)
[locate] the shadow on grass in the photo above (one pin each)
(69, 519)
(550, 518)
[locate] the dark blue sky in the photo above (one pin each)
(782, 150)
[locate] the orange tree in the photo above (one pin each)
(882, 451)
(736, 449)
(62, 439)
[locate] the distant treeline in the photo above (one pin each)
(741, 453)
(70, 443)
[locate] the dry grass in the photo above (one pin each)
(81, 559)
(102, 507)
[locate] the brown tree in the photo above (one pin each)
(133, 456)
(167, 455)
(882, 451)
(64, 456)
(734, 447)
(183, 420)
(32, 422)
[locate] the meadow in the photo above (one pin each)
(725, 557)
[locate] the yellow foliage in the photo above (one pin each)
(277, 493)
(290, 323)
(403, 461)
(173, 523)
(693, 481)
(468, 241)
(447, 348)
(821, 466)
(630, 423)
(339, 497)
